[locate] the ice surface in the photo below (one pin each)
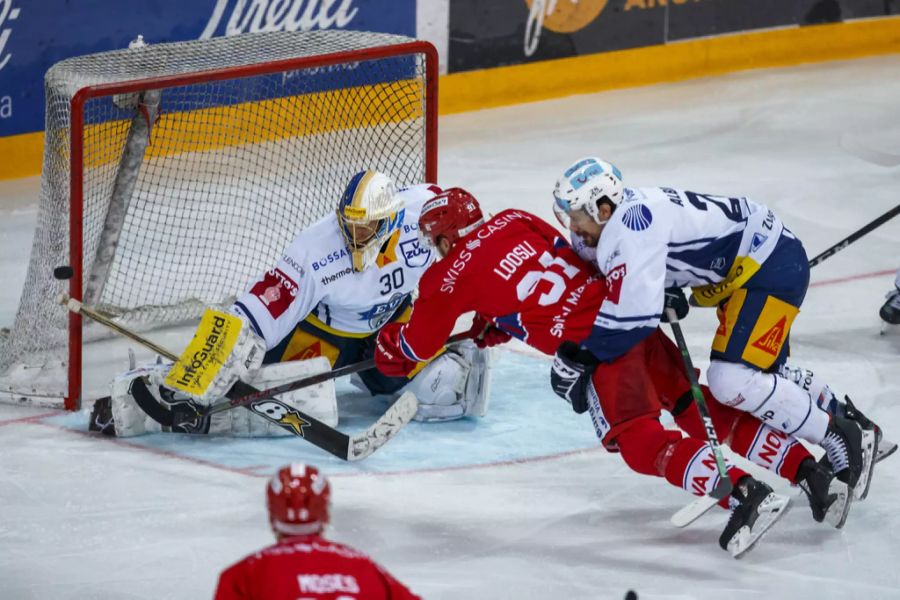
(522, 504)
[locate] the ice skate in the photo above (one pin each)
(101, 419)
(754, 509)
(829, 497)
(885, 447)
(890, 311)
(850, 451)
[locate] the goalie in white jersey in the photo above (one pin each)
(319, 307)
(737, 255)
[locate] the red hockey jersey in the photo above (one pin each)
(309, 567)
(515, 269)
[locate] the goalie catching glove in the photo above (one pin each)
(223, 351)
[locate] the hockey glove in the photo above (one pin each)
(571, 374)
(486, 334)
(389, 358)
(674, 298)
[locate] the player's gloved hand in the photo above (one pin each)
(571, 373)
(486, 334)
(674, 298)
(389, 358)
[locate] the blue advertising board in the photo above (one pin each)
(35, 34)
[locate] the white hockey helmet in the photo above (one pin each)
(369, 212)
(588, 181)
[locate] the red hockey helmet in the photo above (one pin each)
(451, 214)
(299, 500)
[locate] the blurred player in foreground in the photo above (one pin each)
(302, 563)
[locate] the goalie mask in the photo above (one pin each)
(299, 500)
(370, 211)
(584, 184)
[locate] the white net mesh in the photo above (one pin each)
(235, 164)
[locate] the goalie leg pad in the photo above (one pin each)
(454, 385)
(224, 349)
(318, 401)
(778, 402)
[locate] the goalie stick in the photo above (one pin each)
(346, 447)
(251, 397)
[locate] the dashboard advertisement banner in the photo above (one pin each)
(33, 38)
(510, 32)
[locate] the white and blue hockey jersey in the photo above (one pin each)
(315, 277)
(659, 238)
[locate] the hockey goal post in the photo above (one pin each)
(175, 173)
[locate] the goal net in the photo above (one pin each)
(175, 173)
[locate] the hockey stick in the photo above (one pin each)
(855, 236)
(723, 487)
(350, 448)
(249, 396)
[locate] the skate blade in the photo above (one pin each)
(768, 512)
(885, 449)
(870, 450)
(836, 515)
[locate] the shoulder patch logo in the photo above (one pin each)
(770, 342)
(637, 217)
(757, 241)
(275, 291)
(614, 283)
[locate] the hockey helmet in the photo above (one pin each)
(585, 183)
(451, 214)
(299, 499)
(369, 212)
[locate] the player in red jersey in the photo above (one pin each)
(523, 280)
(302, 563)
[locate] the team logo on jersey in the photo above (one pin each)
(275, 292)
(637, 217)
(614, 283)
(414, 255)
(757, 241)
(770, 342)
(717, 264)
(379, 314)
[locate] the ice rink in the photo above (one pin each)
(522, 504)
